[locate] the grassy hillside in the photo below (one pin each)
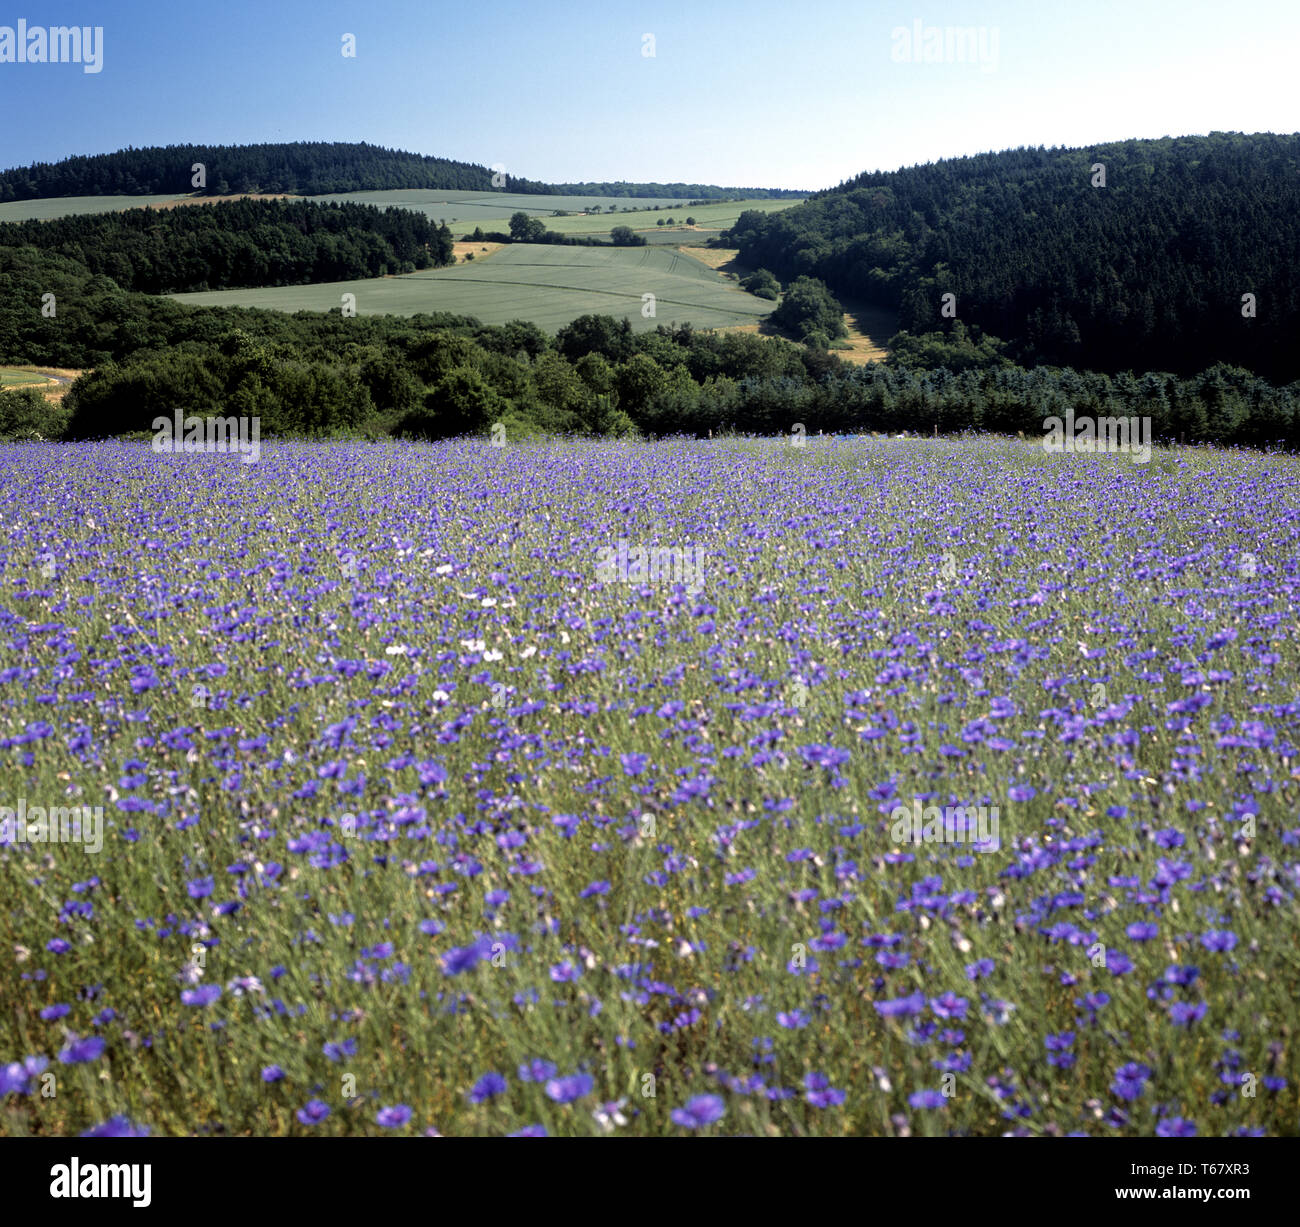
(547, 285)
(73, 206)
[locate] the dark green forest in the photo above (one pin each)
(240, 243)
(308, 168)
(305, 168)
(431, 376)
(1147, 272)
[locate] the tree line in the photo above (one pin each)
(432, 376)
(1133, 255)
(307, 168)
(239, 243)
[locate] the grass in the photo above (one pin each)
(53, 381)
(548, 285)
(462, 210)
(492, 210)
(14, 376)
(70, 206)
(383, 758)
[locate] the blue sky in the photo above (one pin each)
(746, 94)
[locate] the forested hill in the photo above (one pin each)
(240, 243)
(306, 168)
(1147, 272)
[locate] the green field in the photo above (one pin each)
(710, 217)
(492, 210)
(12, 377)
(548, 285)
(461, 210)
(68, 206)
(479, 207)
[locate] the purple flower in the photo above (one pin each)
(463, 958)
(51, 1012)
(1183, 1014)
(536, 1070)
(17, 1075)
(902, 1007)
(700, 1111)
(569, 1088)
(80, 1052)
(1118, 963)
(927, 1099)
(820, 1093)
(949, 1005)
(117, 1127)
(529, 1131)
(1130, 1081)
(394, 1117)
(312, 1112)
(272, 1073)
(205, 994)
(489, 1086)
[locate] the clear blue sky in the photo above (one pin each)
(746, 93)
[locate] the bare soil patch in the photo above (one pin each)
(480, 251)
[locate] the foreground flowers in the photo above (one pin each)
(592, 857)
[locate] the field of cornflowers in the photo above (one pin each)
(413, 824)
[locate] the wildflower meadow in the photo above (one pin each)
(830, 786)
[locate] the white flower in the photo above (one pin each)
(493, 655)
(472, 645)
(528, 651)
(609, 1115)
(445, 569)
(488, 601)
(395, 649)
(441, 696)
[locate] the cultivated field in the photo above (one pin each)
(70, 206)
(548, 285)
(19, 377)
(461, 210)
(419, 817)
(53, 381)
(492, 210)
